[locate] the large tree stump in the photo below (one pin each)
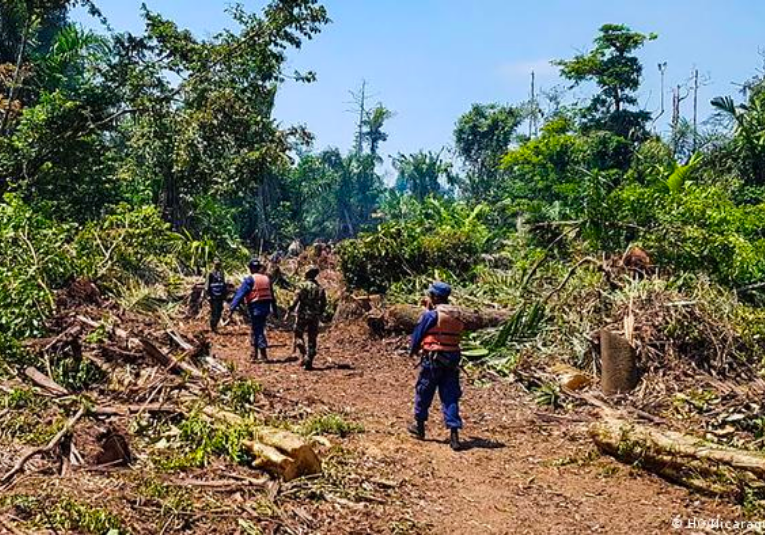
(683, 459)
(618, 363)
(404, 318)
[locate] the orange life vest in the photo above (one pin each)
(446, 334)
(261, 289)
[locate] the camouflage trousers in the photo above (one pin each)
(306, 327)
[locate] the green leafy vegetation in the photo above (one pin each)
(330, 424)
(199, 440)
(131, 160)
(64, 514)
(240, 394)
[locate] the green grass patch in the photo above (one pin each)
(63, 515)
(330, 424)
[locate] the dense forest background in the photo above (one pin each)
(138, 157)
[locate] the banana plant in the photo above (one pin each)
(680, 174)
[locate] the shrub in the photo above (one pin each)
(441, 236)
(34, 259)
(700, 229)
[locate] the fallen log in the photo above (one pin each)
(683, 459)
(127, 410)
(120, 333)
(42, 380)
(166, 360)
(404, 318)
(222, 484)
(131, 343)
(283, 453)
(178, 339)
(222, 416)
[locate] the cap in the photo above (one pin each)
(440, 289)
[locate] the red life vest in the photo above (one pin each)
(261, 289)
(446, 334)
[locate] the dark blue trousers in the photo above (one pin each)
(258, 332)
(446, 379)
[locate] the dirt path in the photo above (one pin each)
(521, 474)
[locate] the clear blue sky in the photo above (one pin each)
(429, 60)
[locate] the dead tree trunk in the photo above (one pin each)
(683, 459)
(404, 318)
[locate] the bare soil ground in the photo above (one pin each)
(523, 471)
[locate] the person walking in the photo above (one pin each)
(437, 337)
(258, 293)
(216, 290)
(308, 306)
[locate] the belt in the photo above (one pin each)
(438, 359)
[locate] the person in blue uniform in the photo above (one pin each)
(437, 338)
(258, 293)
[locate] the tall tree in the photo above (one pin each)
(617, 72)
(422, 174)
(215, 128)
(372, 127)
(482, 137)
(747, 146)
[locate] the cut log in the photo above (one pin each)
(283, 453)
(167, 361)
(42, 380)
(291, 444)
(618, 363)
(273, 461)
(222, 416)
(404, 318)
(353, 307)
(683, 459)
(569, 377)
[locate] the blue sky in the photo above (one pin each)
(429, 60)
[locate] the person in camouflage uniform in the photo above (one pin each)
(308, 306)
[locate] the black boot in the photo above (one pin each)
(454, 440)
(417, 429)
(264, 354)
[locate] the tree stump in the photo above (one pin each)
(618, 363)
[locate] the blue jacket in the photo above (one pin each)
(427, 321)
(216, 285)
(257, 308)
